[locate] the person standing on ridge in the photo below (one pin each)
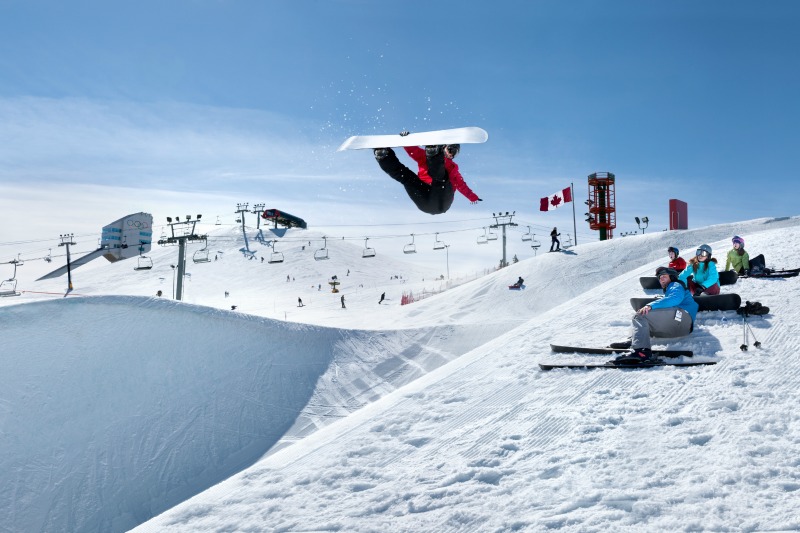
(554, 240)
(432, 187)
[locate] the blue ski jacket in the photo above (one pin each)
(677, 295)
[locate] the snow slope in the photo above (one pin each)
(431, 416)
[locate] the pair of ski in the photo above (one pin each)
(662, 354)
(769, 273)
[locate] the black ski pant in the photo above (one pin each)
(434, 198)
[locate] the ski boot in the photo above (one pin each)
(638, 356)
(624, 345)
(433, 149)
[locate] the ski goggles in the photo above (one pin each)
(702, 253)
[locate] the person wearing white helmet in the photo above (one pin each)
(738, 258)
(700, 274)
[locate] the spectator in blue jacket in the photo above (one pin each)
(671, 316)
(700, 274)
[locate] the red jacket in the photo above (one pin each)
(678, 264)
(456, 179)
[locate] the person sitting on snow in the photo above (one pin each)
(701, 274)
(676, 262)
(738, 259)
(671, 316)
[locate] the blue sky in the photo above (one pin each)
(189, 105)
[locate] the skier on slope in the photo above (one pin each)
(432, 188)
(671, 316)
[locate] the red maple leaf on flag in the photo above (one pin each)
(555, 200)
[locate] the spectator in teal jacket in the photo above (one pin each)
(700, 274)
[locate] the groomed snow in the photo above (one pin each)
(116, 405)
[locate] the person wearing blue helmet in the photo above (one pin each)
(738, 259)
(700, 274)
(668, 317)
(675, 260)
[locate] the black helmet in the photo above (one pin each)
(453, 149)
(671, 272)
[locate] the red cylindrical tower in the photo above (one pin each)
(602, 204)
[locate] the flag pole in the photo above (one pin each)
(574, 227)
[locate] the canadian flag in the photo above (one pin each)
(556, 200)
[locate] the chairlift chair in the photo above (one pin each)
(322, 253)
(534, 243)
(8, 287)
(527, 236)
(410, 248)
(368, 252)
(492, 236)
(437, 244)
(275, 257)
(143, 263)
(201, 255)
(483, 239)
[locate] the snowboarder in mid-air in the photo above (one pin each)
(432, 187)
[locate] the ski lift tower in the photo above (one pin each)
(181, 240)
(503, 220)
(602, 215)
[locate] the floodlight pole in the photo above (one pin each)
(503, 216)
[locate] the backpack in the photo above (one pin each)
(752, 308)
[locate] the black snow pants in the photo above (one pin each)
(434, 198)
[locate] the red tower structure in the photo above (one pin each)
(602, 214)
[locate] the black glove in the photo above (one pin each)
(404, 133)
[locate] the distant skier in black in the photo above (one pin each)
(432, 187)
(554, 235)
(299, 302)
(342, 299)
(519, 282)
(383, 296)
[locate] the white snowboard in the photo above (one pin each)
(454, 136)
